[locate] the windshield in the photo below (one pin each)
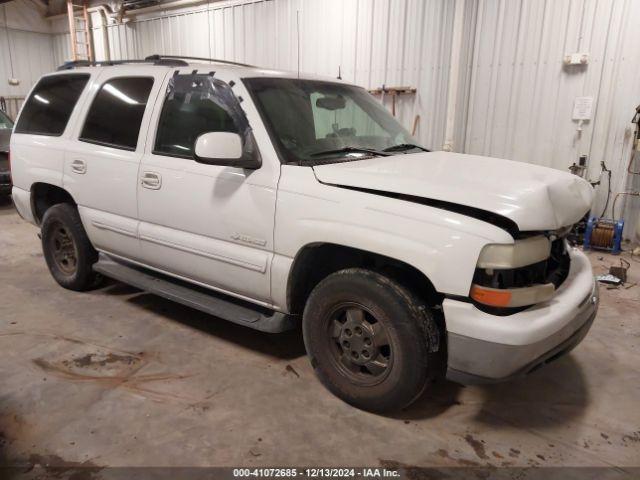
(5, 122)
(314, 121)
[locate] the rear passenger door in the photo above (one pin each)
(101, 163)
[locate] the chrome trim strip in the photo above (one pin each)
(212, 256)
(190, 280)
(122, 231)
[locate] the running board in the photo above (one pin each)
(213, 303)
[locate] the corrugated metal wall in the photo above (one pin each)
(521, 96)
(373, 42)
(515, 96)
(31, 55)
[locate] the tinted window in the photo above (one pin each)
(184, 117)
(116, 113)
(49, 107)
(309, 120)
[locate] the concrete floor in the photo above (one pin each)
(116, 377)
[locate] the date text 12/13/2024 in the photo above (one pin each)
(315, 473)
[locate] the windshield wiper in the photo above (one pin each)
(349, 150)
(404, 146)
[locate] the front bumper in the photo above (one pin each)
(484, 348)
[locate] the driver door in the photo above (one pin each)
(212, 225)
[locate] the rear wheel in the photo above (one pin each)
(370, 340)
(67, 249)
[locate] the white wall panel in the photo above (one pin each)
(521, 95)
(25, 47)
(31, 54)
(61, 48)
(23, 15)
(26, 50)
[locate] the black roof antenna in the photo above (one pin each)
(339, 73)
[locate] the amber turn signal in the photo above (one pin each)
(491, 296)
(514, 297)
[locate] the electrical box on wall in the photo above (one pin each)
(582, 108)
(576, 59)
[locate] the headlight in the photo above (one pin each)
(513, 275)
(519, 254)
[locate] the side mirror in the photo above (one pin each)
(225, 149)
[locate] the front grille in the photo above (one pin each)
(512, 277)
(558, 263)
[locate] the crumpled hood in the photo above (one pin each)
(534, 197)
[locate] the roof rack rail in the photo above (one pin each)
(170, 62)
(157, 57)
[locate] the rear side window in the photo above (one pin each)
(49, 107)
(185, 116)
(116, 112)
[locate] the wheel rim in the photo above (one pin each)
(63, 249)
(359, 343)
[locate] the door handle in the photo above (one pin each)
(79, 166)
(151, 180)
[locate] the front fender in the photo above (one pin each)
(443, 245)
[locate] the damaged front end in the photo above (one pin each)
(511, 278)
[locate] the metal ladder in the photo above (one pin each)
(79, 28)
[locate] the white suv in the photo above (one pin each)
(264, 197)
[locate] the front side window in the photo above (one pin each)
(311, 121)
(49, 107)
(116, 113)
(193, 106)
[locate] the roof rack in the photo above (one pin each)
(163, 60)
(157, 57)
(154, 60)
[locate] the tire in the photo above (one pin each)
(67, 249)
(392, 340)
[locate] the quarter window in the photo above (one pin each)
(116, 113)
(49, 107)
(185, 116)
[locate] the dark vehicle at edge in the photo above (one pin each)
(6, 125)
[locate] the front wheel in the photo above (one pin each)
(371, 341)
(67, 249)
